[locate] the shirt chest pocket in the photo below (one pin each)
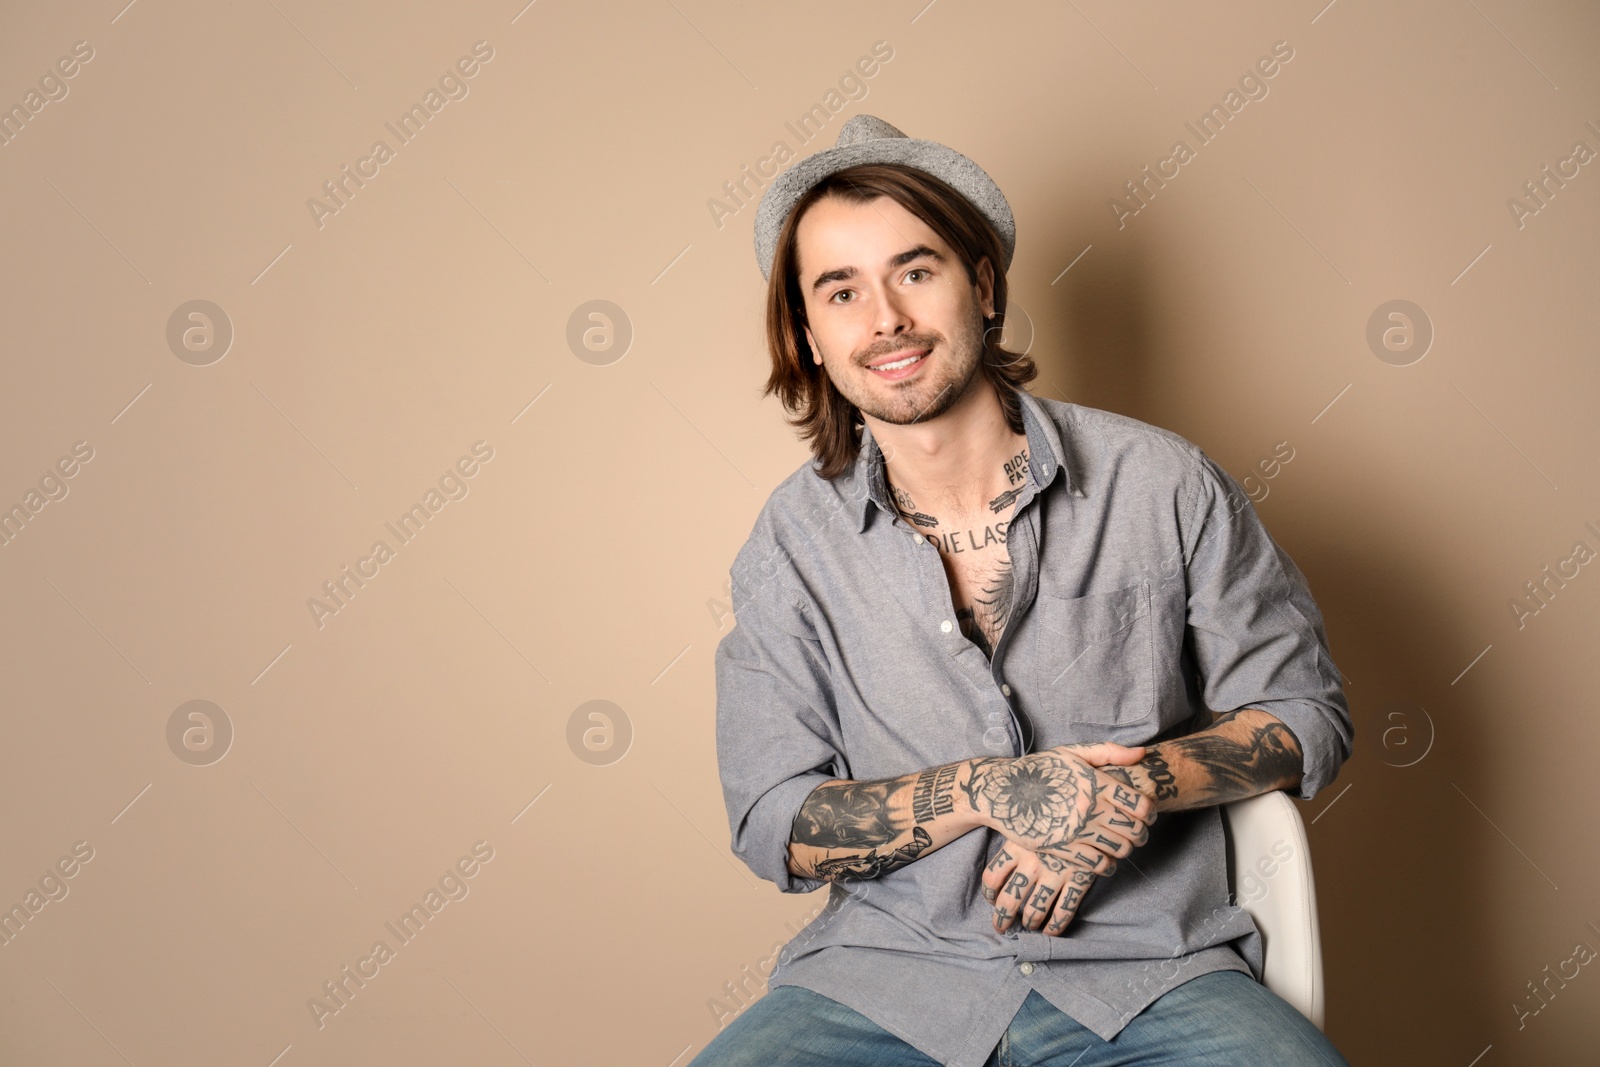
(1094, 656)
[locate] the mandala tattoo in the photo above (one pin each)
(1042, 799)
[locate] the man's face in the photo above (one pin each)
(880, 286)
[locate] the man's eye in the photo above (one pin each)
(916, 270)
(835, 296)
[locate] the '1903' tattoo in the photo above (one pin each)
(932, 797)
(1161, 776)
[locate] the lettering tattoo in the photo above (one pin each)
(1067, 906)
(1035, 895)
(1001, 858)
(933, 796)
(976, 542)
(1160, 775)
(1017, 468)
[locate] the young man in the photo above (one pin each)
(981, 610)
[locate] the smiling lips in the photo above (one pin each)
(897, 367)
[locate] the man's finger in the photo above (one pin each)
(1120, 795)
(1037, 910)
(1107, 753)
(1008, 906)
(997, 870)
(1084, 857)
(1135, 830)
(1068, 902)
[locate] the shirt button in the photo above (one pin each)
(945, 626)
(1025, 967)
(1005, 688)
(916, 538)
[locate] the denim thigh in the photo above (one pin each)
(1218, 1019)
(792, 1026)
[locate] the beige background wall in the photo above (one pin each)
(445, 703)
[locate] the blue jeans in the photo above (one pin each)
(1220, 1019)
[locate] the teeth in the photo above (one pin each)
(897, 364)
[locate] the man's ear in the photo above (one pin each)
(985, 284)
(816, 353)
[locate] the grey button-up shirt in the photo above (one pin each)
(1148, 593)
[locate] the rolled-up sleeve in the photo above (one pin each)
(1258, 636)
(776, 725)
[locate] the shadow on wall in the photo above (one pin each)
(1385, 854)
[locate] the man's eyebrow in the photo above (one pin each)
(900, 259)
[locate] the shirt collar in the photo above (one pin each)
(869, 480)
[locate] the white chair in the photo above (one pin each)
(1269, 873)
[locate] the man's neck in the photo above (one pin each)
(966, 462)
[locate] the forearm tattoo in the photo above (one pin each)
(1252, 756)
(1267, 757)
(846, 815)
(871, 865)
(933, 796)
(863, 830)
(1160, 775)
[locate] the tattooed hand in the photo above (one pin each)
(1059, 802)
(1039, 888)
(1033, 886)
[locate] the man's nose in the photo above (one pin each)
(893, 316)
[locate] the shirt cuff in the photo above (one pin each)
(768, 827)
(1322, 748)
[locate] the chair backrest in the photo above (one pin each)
(1269, 872)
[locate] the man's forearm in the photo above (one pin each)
(1240, 754)
(857, 830)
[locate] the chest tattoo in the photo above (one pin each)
(977, 563)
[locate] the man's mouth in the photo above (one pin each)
(899, 365)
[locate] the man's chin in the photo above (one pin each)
(912, 405)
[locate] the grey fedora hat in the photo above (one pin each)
(868, 139)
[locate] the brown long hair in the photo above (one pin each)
(816, 409)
